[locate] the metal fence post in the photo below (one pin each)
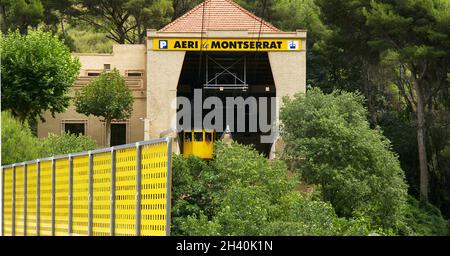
(38, 196)
(113, 193)
(90, 197)
(138, 189)
(13, 227)
(70, 224)
(25, 183)
(53, 195)
(168, 185)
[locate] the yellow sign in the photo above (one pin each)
(229, 45)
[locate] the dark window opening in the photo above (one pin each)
(118, 134)
(75, 128)
(188, 137)
(107, 66)
(93, 74)
(208, 137)
(198, 136)
(135, 74)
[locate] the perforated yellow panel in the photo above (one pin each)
(45, 225)
(20, 179)
(125, 192)
(80, 195)
(62, 197)
(31, 199)
(7, 201)
(101, 189)
(154, 189)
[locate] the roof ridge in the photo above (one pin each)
(232, 3)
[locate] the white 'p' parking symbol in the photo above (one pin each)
(163, 44)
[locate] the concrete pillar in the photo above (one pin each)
(163, 73)
(289, 74)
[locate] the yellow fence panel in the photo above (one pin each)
(91, 193)
(101, 211)
(7, 201)
(154, 173)
(125, 223)
(80, 195)
(20, 204)
(45, 215)
(62, 197)
(31, 199)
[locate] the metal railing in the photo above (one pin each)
(122, 190)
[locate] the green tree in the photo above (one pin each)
(37, 73)
(416, 34)
(107, 97)
(180, 7)
(330, 141)
(20, 14)
(18, 142)
(65, 143)
(124, 21)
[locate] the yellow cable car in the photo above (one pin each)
(198, 143)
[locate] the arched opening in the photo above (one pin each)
(239, 80)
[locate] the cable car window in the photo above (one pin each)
(198, 136)
(208, 137)
(188, 136)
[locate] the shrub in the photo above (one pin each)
(425, 219)
(18, 143)
(65, 143)
(240, 192)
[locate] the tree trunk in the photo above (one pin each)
(423, 164)
(108, 132)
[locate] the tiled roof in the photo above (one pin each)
(219, 15)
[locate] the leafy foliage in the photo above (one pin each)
(242, 193)
(124, 21)
(20, 14)
(65, 143)
(425, 219)
(330, 139)
(106, 96)
(37, 72)
(18, 143)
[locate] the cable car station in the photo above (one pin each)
(218, 50)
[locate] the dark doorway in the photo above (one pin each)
(118, 134)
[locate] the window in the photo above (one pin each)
(76, 128)
(107, 66)
(93, 73)
(188, 136)
(118, 134)
(134, 74)
(198, 136)
(208, 137)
